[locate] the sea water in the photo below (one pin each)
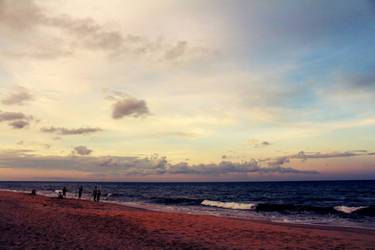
(335, 203)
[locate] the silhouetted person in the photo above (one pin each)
(60, 195)
(98, 193)
(33, 192)
(64, 192)
(80, 192)
(95, 193)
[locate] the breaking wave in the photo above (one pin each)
(291, 208)
(348, 210)
(230, 205)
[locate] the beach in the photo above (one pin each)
(40, 222)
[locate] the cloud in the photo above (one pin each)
(304, 156)
(24, 17)
(65, 131)
(258, 143)
(82, 150)
(18, 97)
(19, 124)
(177, 51)
(17, 120)
(278, 161)
(281, 160)
(19, 15)
(137, 166)
(10, 116)
(129, 107)
(160, 166)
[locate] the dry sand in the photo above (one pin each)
(38, 222)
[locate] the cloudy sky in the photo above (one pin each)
(172, 90)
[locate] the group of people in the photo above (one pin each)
(62, 193)
(96, 193)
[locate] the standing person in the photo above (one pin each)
(80, 190)
(98, 195)
(64, 192)
(95, 193)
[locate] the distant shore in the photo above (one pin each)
(41, 222)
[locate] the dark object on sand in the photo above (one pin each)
(80, 190)
(64, 191)
(33, 192)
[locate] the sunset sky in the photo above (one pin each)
(171, 90)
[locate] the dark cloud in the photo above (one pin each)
(304, 156)
(17, 120)
(11, 116)
(65, 131)
(18, 97)
(258, 143)
(129, 107)
(19, 124)
(158, 166)
(136, 166)
(278, 161)
(82, 150)
(275, 163)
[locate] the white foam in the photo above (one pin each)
(348, 210)
(231, 205)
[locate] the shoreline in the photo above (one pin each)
(44, 222)
(255, 219)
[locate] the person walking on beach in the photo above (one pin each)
(95, 193)
(64, 192)
(98, 195)
(80, 192)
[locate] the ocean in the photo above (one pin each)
(333, 203)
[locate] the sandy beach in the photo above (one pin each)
(38, 222)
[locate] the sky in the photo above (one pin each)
(168, 90)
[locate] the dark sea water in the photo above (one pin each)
(335, 203)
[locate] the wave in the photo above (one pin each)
(338, 210)
(288, 208)
(348, 210)
(177, 201)
(366, 211)
(231, 205)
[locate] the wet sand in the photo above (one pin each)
(38, 222)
